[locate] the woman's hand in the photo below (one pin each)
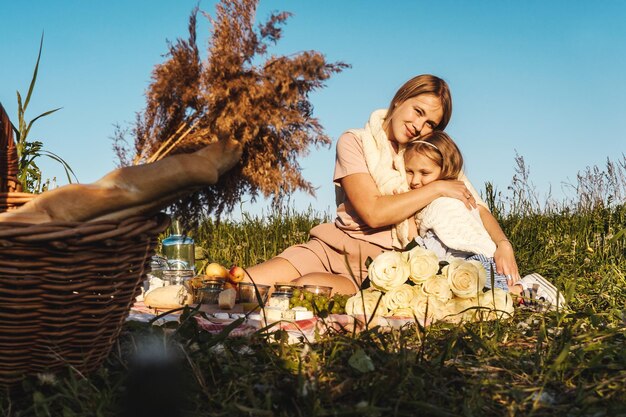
(455, 189)
(505, 261)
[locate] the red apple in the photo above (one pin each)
(236, 273)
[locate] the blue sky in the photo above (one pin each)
(545, 79)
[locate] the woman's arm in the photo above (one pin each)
(378, 210)
(504, 255)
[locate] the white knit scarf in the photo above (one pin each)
(385, 166)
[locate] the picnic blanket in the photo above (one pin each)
(307, 330)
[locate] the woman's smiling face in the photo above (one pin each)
(414, 117)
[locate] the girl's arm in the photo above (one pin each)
(504, 255)
(378, 210)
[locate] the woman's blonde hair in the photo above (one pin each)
(441, 149)
(425, 84)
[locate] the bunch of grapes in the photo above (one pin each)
(319, 303)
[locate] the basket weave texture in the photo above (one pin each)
(67, 288)
(13, 200)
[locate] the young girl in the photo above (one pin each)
(448, 228)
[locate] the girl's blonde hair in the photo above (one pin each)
(425, 84)
(441, 149)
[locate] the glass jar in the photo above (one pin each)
(280, 300)
(177, 276)
(158, 264)
(178, 249)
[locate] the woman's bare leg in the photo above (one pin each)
(272, 271)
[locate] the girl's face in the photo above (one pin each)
(414, 117)
(420, 170)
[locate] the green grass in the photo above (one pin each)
(536, 364)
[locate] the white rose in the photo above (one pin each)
(366, 303)
(429, 309)
(399, 297)
(424, 264)
(437, 286)
(463, 309)
(466, 278)
(389, 270)
(499, 302)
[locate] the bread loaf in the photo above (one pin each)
(169, 297)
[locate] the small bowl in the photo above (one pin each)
(318, 289)
(285, 287)
(247, 292)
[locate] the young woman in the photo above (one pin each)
(447, 228)
(375, 206)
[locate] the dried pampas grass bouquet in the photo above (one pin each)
(238, 92)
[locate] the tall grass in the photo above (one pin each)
(255, 239)
(570, 363)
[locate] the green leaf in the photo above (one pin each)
(34, 79)
(66, 167)
(39, 117)
(361, 362)
(410, 245)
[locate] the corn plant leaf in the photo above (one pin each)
(31, 87)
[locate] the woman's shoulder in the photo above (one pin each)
(350, 137)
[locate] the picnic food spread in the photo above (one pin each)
(223, 290)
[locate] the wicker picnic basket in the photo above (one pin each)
(67, 288)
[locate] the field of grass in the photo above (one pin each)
(569, 363)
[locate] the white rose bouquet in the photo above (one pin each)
(413, 284)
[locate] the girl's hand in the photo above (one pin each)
(505, 261)
(456, 189)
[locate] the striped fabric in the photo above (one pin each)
(499, 280)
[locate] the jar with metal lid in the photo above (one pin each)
(280, 300)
